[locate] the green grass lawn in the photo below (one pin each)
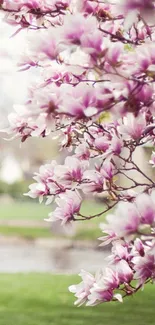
(26, 232)
(43, 299)
(34, 211)
(23, 210)
(37, 212)
(31, 233)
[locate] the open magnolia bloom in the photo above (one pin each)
(96, 94)
(134, 8)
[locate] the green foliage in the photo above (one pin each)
(104, 117)
(16, 189)
(128, 48)
(4, 187)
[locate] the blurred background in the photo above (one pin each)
(39, 260)
(22, 225)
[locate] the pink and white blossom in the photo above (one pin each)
(125, 221)
(95, 94)
(133, 127)
(69, 204)
(82, 290)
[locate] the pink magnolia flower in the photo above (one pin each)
(146, 209)
(120, 251)
(77, 26)
(113, 55)
(92, 43)
(87, 6)
(103, 288)
(109, 280)
(144, 265)
(109, 237)
(110, 147)
(145, 94)
(101, 143)
(82, 151)
(25, 125)
(13, 5)
(46, 178)
(94, 290)
(83, 101)
(116, 145)
(124, 272)
(72, 170)
(46, 42)
(139, 247)
(132, 127)
(37, 190)
(145, 8)
(46, 173)
(125, 221)
(27, 61)
(143, 58)
(44, 99)
(105, 95)
(107, 169)
(40, 5)
(141, 5)
(18, 126)
(82, 290)
(69, 204)
(93, 181)
(98, 295)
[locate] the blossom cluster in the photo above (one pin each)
(34, 13)
(96, 93)
(129, 268)
(131, 258)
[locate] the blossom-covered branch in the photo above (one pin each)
(96, 93)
